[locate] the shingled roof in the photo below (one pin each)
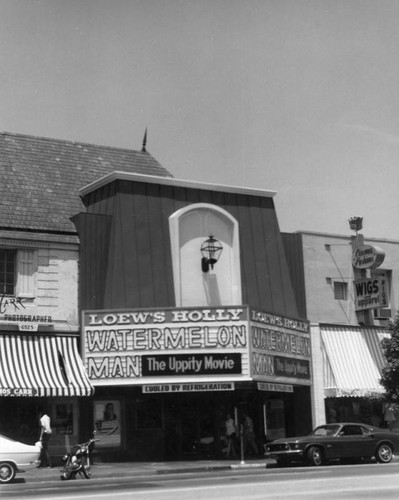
(41, 178)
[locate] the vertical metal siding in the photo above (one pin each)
(95, 235)
(139, 268)
(293, 250)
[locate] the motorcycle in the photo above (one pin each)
(78, 460)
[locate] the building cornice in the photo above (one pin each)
(26, 238)
(347, 237)
(172, 181)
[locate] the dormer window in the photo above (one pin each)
(221, 283)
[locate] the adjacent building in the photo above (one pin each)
(347, 286)
(40, 362)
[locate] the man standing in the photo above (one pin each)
(249, 435)
(231, 436)
(45, 434)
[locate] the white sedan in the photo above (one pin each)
(16, 457)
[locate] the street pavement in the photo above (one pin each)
(132, 469)
(140, 469)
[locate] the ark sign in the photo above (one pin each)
(367, 257)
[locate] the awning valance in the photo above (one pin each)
(42, 366)
(353, 360)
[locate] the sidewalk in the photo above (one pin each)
(145, 469)
(132, 469)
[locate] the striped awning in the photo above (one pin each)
(42, 366)
(352, 361)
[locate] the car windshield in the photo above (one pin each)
(325, 430)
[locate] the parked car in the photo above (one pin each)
(338, 441)
(16, 457)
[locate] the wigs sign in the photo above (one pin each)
(371, 293)
(125, 347)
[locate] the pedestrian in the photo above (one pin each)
(45, 434)
(231, 436)
(389, 415)
(249, 436)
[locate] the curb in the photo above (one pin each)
(134, 469)
(208, 468)
(193, 469)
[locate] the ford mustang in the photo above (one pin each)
(337, 441)
(15, 457)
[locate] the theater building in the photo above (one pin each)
(188, 314)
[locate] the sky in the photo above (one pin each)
(300, 97)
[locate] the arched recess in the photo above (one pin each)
(189, 227)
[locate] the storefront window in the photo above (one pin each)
(363, 410)
(63, 418)
(149, 414)
(107, 423)
(275, 416)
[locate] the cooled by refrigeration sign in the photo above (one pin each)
(131, 347)
(193, 387)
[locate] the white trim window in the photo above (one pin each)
(17, 272)
(26, 269)
(340, 290)
(8, 275)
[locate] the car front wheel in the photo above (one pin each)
(315, 456)
(384, 453)
(7, 472)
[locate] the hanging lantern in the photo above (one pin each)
(210, 250)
